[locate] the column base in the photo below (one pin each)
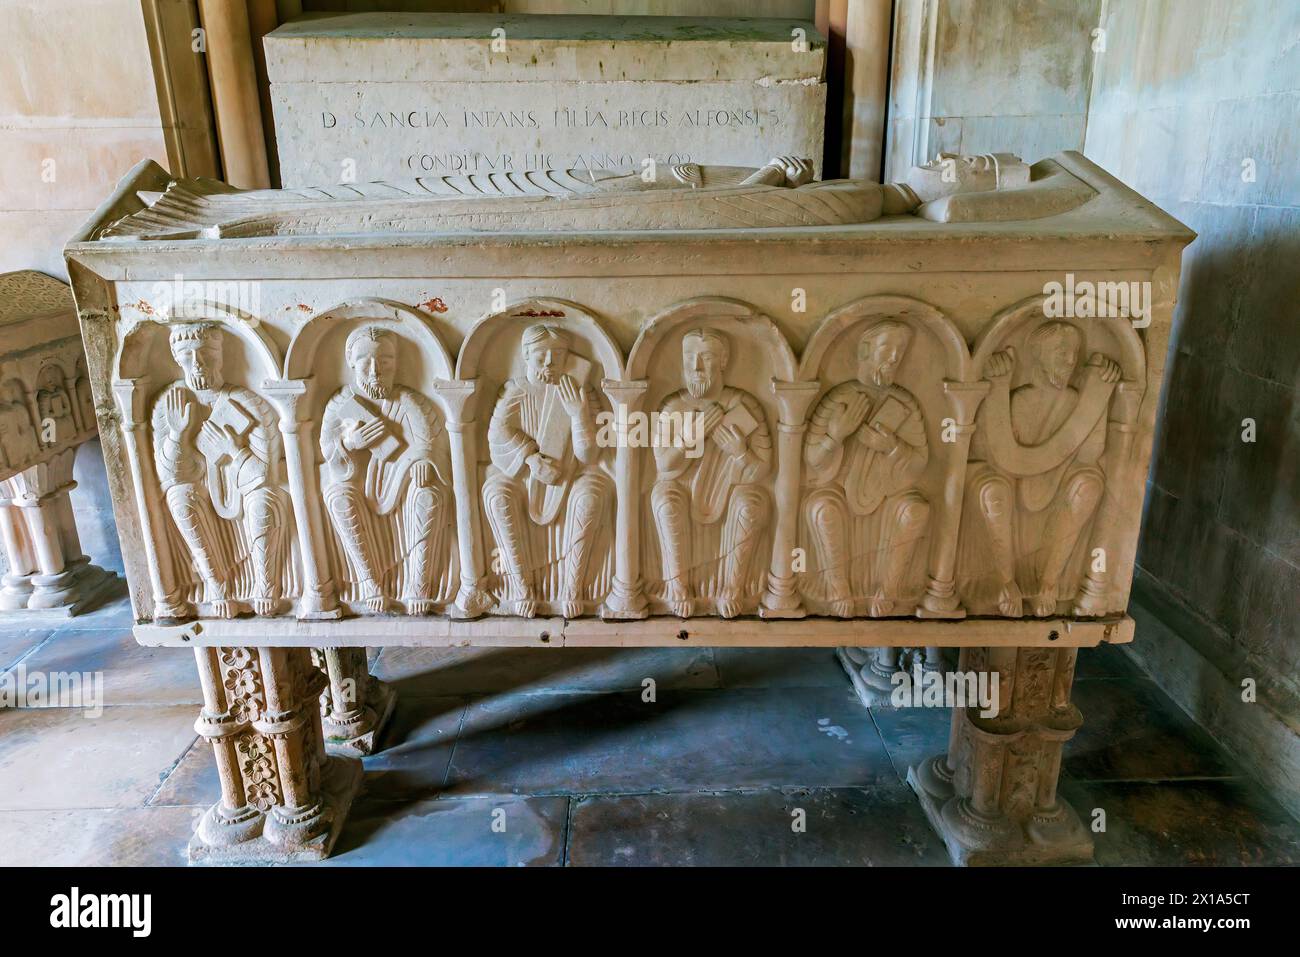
(871, 691)
(268, 842)
(340, 739)
(76, 590)
(1053, 837)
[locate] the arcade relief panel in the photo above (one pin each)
(894, 470)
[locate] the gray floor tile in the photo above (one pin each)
(62, 758)
(478, 832)
(1133, 731)
(132, 674)
(15, 642)
(685, 740)
(779, 668)
(453, 671)
(118, 837)
(415, 749)
(912, 734)
(1178, 823)
(842, 826)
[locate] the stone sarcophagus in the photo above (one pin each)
(46, 414)
(713, 405)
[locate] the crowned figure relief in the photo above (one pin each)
(863, 453)
(388, 479)
(1035, 477)
(545, 473)
(711, 510)
(218, 456)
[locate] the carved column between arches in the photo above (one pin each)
(781, 600)
(627, 596)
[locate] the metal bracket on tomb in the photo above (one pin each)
(652, 632)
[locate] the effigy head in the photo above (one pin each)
(546, 351)
(371, 353)
(196, 347)
(881, 349)
(950, 173)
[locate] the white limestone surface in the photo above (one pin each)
(363, 97)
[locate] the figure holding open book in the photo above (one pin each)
(864, 451)
(722, 485)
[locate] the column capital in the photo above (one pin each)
(964, 398)
(628, 393)
(456, 396)
(793, 400)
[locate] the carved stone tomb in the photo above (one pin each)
(46, 413)
(728, 406)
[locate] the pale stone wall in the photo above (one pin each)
(1189, 95)
(983, 76)
(78, 109)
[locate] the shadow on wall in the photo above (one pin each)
(93, 507)
(1221, 534)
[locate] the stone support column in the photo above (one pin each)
(282, 799)
(992, 797)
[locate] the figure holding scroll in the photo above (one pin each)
(388, 490)
(542, 442)
(1035, 477)
(217, 452)
(723, 484)
(864, 451)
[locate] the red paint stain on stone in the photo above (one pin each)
(433, 305)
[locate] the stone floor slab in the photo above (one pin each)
(912, 734)
(455, 671)
(17, 642)
(54, 758)
(1180, 823)
(779, 668)
(132, 674)
(1133, 731)
(117, 837)
(498, 832)
(415, 749)
(685, 740)
(880, 826)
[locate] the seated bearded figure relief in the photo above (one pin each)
(388, 486)
(546, 497)
(218, 456)
(1035, 478)
(865, 449)
(711, 510)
